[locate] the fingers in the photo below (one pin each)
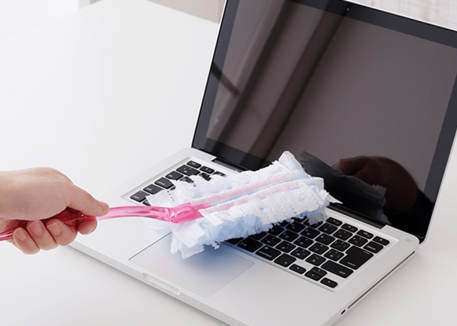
(41, 236)
(24, 242)
(87, 227)
(62, 234)
(38, 237)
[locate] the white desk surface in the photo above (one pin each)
(103, 94)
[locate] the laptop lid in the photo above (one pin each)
(365, 99)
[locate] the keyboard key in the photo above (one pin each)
(365, 234)
(165, 183)
(303, 242)
(300, 253)
(268, 253)
(207, 170)
(296, 227)
(334, 254)
(173, 175)
(325, 239)
(297, 269)
(285, 246)
(328, 282)
(271, 240)
(316, 273)
(328, 228)
(340, 245)
(219, 173)
(187, 170)
(187, 179)
(315, 260)
(285, 260)
(355, 257)
(373, 247)
(194, 164)
(349, 227)
(310, 233)
(289, 235)
(342, 234)
(234, 240)
(276, 230)
(205, 176)
(152, 189)
(382, 241)
(284, 223)
(139, 196)
(358, 241)
(315, 225)
(337, 269)
(318, 248)
(249, 244)
(258, 236)
(334, 221)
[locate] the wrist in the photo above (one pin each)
(6, 192)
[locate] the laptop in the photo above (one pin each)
(365, 99)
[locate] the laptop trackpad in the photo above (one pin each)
(204, 273)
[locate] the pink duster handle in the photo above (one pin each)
(179, 214)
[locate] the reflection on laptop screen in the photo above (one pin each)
(365, 106)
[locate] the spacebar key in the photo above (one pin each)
(355, 257)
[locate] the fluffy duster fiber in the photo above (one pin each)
(244, 204)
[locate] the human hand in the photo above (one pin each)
(38, 194)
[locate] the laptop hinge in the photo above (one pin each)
(228, 165)
(363, 218)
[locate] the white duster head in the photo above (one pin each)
(244, 204)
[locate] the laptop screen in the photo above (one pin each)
(364, 99)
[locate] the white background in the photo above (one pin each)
(66, 287)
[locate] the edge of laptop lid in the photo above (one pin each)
(416, 81)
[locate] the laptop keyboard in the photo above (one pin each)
(326, 252)
(182, 173)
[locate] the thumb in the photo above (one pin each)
(82, 201)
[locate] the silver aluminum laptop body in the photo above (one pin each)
(327, 80)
